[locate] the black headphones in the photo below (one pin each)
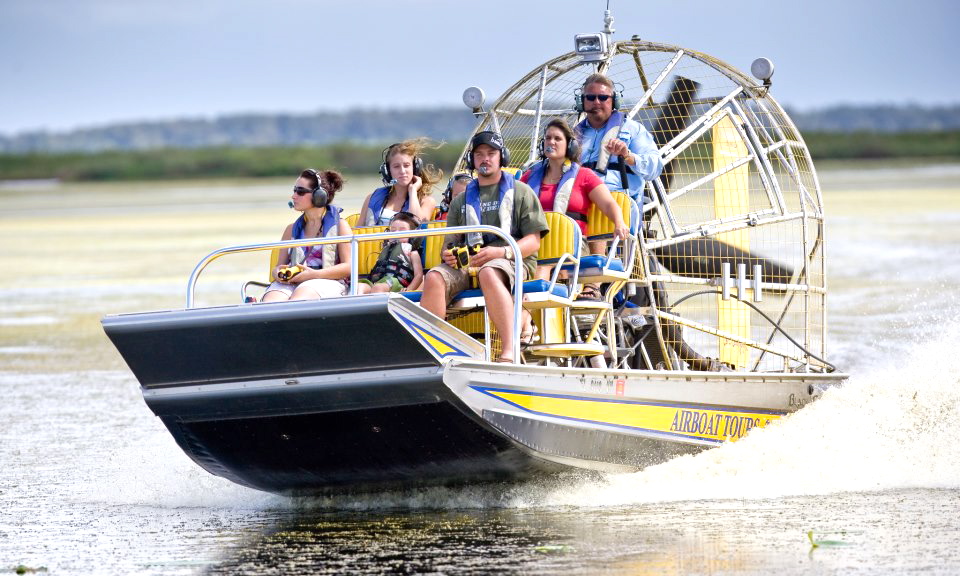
(578, 98)
(385, 168)
(492, 139)
(448, 192)
(573, 148)
(320, 196)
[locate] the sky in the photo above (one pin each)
(68, 64)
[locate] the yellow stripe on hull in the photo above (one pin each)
(439, 347)
(687, 421)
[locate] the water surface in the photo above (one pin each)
(91, 482)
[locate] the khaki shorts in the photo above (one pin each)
(458, 280)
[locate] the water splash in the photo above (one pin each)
(890, 426)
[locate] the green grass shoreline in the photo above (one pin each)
(167, 164)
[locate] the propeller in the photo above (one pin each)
(699, 257)
(674, 117)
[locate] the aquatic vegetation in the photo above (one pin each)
(21, 569)
(824, 543)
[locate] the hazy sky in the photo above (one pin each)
(76, 63)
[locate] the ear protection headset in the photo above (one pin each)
(320, 196)
(578, 98)
(448, 192)
(385, 168)
(573, 149)
(490, 138)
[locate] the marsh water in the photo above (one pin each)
(864, 481)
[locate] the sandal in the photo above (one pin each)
(590, 292)
(529, 335)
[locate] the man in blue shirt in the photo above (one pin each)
(612, 145)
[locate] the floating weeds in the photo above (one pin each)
(21, 569)
(825, 543)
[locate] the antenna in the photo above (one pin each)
(608, 21)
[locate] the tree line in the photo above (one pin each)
(363, 159)
(375, 126)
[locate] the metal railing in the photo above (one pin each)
(355, 239)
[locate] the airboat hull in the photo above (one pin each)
(385, 395)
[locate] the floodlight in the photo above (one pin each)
(590, 47)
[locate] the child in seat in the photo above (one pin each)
(399, 267)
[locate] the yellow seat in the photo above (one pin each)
(433, 246)
(560, 246)
(352, 220)
(367, 251)
(594, 269)
(599, 227)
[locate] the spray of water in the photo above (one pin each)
(891, 426)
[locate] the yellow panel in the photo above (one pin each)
(433, 246)
(470, 324)
(352, 220)
(694, 422)
(731, 193)
(552, 325)
(367, 252)
(597, 222)
(274, 260)
(559, 240)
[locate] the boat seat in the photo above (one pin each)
(559, 245)
(369, 251)
(607, 269)
(599, 268)
(539, 289)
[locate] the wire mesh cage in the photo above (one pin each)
(732, 247)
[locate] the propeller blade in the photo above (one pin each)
(702, 257)
(674, 117)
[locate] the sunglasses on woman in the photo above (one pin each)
(301, 191)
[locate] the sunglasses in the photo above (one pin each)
(301, 191)
(600, 97)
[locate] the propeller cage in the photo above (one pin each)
(738, 188)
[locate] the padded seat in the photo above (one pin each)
(412, 296)
(529, 287)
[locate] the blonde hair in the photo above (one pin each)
(429, 174)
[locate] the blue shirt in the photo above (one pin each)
(648, 163)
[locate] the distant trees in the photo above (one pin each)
(279, 144)
(380, 127)
(255, 131)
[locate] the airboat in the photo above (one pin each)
(713, 320)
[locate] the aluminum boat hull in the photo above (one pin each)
(372, 393)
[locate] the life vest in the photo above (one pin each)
(375, 205)
(611, 130)
(561, 200)
(394, 260)
(471, 208)
(317, 256)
